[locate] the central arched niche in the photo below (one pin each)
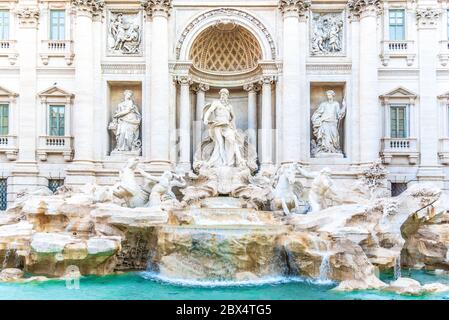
(225, 48)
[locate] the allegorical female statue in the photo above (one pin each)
(125, 125)
(325, 123)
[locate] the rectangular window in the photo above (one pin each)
(57, 24)
(3, 194)
(4, 25)
(4, 119)
(57, 120)
(397, 188)
(399, 121)
(397, 24)
(54, 184)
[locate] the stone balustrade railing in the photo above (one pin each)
(444, 52)
(9, 146)
(398, 49)
(55, 145)
(57, 48)
(8, 49)
(399, 147)
(443, 151)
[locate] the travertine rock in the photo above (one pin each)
(11, 274)
(426, 241)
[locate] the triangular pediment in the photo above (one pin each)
(6, 92)
(54, 91)
(399, 92)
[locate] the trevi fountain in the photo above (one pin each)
(229, 223)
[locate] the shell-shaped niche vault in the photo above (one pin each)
(225, 48)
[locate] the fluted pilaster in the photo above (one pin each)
(366, 12)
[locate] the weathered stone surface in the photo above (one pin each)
(328, 258)
(426, 240)
(11, 274)
(218, 253)
(136, 217)
(405, 286)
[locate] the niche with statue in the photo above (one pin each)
(327, 119)
(125, 120)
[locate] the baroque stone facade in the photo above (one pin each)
(321, 83)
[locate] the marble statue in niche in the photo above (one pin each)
(125, 125)
(327, 34)
(124, 34)
(326, 121)
(225, 145)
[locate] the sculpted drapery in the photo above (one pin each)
(325, 123)
(126, 124)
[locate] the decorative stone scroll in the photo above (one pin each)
(93, 7)
(124, 33)
(296, 6)
(28, 15)
(327, 33)
(358, 7)
(427, 17)
(153, 7)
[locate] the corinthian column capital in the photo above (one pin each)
(183, 80)
(91, 7)
(200, 87)
(251, 87)
(157, 7)
(28, 16)
(362, 8)
(294, 7)
(427, 17)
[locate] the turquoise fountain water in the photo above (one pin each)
(147, 286)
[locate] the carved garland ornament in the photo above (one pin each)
(94, 7)
(227, 12)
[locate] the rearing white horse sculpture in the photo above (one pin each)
(287, 190)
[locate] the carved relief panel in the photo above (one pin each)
(327, 34)
(124, 33)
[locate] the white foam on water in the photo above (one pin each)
(274, 280)
(397, 268)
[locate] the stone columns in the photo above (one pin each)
(353, 115)
(28, 23)
(82, 171)
(184, 122)
(266, 136)
(252, 89)
(200, 90)
(370, 134)
(294, 12)
(427, 20)
(159, 84)
(25, 171)
(84, 79)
